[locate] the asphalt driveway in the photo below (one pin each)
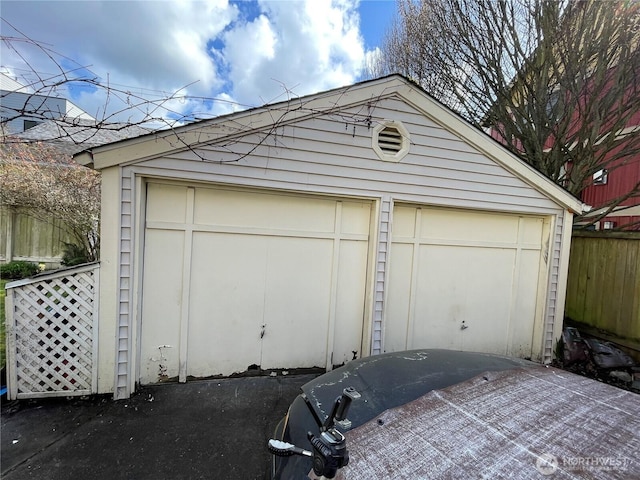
(203, 429)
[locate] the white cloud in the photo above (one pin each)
(313, 45)
(266, 50)
(248, 47)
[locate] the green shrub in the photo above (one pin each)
(18, 269)
(73, 254)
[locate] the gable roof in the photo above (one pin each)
(267, 117)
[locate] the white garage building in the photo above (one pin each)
(307, 233)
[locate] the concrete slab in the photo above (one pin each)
(202, 429)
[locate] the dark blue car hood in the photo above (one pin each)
(392, 379)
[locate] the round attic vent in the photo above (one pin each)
(390, 141)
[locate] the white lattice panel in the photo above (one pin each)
(51, 338)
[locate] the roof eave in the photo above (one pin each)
(84, 158)
(242, 123)
(490, 147)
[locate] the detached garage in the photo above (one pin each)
(311, 232)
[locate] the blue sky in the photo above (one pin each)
(375, 16)
(221, 55)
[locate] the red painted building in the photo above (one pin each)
(617, 181)
(619, 177)
(596, 119)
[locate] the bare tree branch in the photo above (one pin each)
(38, 174)
(39, 179)
(556, 81)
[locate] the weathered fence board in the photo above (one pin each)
(30, 238)
(603, 289)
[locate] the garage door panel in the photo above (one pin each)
(162, 304)
(468, 280)
(226, 303)
(398, 297)
(166, 203)
(350, 301)
(259, 210)
(269, 278)
(297, 301)
(455, 225)
(436, 322)
(404, 222)
(454, 293)
(355, 218)
(531, 231)
(526, 296)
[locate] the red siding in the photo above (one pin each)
(623, 173)
(619, 182)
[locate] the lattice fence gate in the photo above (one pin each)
(52, 334)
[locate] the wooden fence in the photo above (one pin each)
(25, 237)
(603, 289)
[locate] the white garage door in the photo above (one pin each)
(236, 280)
(464, 280)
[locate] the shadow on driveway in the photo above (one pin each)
(203, 429)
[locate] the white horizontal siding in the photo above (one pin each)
(436, 178)
(331, 155)
(345, 144)
(345, 161)
(16, 107)
(355, 152)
